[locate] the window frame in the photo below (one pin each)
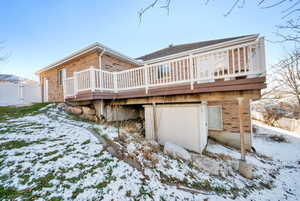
(221, 118)
(162, 69)
(60, 77)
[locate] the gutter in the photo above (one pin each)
(100, 58)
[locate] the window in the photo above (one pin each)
(60, 77)
(215, 121)
(163, 71)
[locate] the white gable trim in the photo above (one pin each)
(90, 48)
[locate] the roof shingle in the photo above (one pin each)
(174, 49)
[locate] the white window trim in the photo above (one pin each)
(221, 118)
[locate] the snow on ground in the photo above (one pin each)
(289, 151)
(286, 158)
(53, 156)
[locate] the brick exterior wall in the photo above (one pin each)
(110, 63)
(230, 115)
(55, 91)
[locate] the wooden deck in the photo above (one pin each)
(235, 68)
(219, 86)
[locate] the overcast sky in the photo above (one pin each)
(39, 32)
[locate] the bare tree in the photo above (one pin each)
(288, 29)
(287, 76)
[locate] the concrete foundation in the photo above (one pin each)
(99, 107)
(116, 112)
(121, 113)
(231, 139)
(245, 169)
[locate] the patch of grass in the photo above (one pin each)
(76, 193)
(19, 153)
(57, 198)
(26, 128)
(102, 185)
(143, 193)
(14, 145)
(24, 178)
(4, 177)
(204, 185)
(55, 158)
(19, 144)
(75, 179)
(11, 193)
(50, 153)
(98, 154)
(43, 182)
(128, 193)
(86, 142)
(267, 185)
(8, 193)
(15, 112)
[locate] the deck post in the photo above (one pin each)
(115, 82)
(191, 71)
(155, 121)
(262, 52)
(146, 78)
(242, 133)
(75, 84)
(92, 79)
(245, 169)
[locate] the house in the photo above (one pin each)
(5, 78)
(183, 92)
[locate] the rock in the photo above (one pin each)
(89, 117)
(61, 106)
(208, 165)
(138, 125)
(155, 147)
(245, 169)
(131, 148)
(74, 110)
(111, 151)
(88, 111)
(176, 151)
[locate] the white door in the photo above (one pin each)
(184, 125)
(45, 90)
(203, 118)
(64, 77)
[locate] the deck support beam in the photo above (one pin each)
(155, 122)
(242, 133)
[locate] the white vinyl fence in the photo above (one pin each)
(21, 93)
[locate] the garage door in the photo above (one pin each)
(184, 124)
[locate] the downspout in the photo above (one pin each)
(99, 58)
(102, 106)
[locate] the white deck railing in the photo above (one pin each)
(226, 63)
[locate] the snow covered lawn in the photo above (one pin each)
(49, 155)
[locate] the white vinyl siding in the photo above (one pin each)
(215, 121)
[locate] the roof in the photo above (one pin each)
(175, 49)
(88, 49)
(160, 54)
